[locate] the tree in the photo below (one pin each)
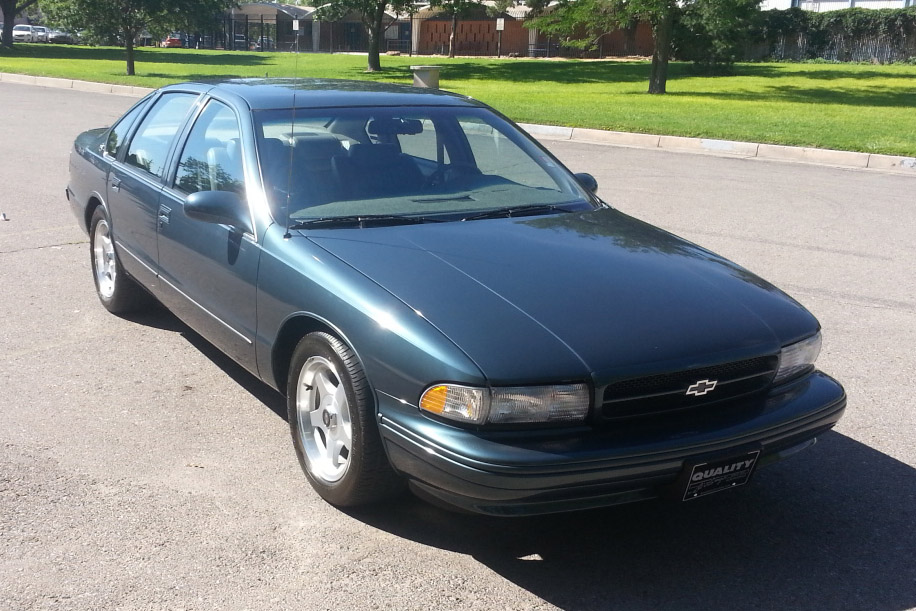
(584, 22)
(712, 33)
(10, 9)
(124, 20)
(372, 15)
(106, 19)
(455, 9)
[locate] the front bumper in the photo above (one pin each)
(532, 472)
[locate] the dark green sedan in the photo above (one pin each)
(442, 302)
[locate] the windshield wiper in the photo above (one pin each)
(512, 211)
(362, 220)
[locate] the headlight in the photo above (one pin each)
(798, 358)
(567, 403)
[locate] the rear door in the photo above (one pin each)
(135, 181)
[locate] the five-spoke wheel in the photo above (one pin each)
(332, 420)
(117, 291)
(325, 430)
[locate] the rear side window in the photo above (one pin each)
(212, 158)
(118, 134)
(496, 155)
(150, 145)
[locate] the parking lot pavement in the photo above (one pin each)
(141, 469)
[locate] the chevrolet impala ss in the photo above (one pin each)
(442, 302)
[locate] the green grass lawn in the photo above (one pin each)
(852, 107)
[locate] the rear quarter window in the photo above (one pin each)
(118, 133)
(149, 147)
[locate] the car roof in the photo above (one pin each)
(272, 93)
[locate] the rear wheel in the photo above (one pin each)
(117, 291)
(332, 422)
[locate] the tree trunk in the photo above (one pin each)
(8, 11)
(375, 31)
(661, 33)
(8, 16)
(129, 48)
(451, 37)
(8, 33)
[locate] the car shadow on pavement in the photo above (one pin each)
(832, 528)
(158, 317)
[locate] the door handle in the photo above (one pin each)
(164, 213)
(116, 184)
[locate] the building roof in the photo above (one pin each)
(271, 10)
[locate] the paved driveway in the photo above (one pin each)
(139, 469)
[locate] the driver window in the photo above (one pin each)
(212, 158)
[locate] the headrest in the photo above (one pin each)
(316, 146)
(373, 154)
(273, 149)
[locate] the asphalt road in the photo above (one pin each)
(139, 469)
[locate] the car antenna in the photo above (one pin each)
(292, 135)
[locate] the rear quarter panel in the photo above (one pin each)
(88, 173)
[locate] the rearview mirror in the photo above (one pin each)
(588, 181)
(222, 207)
(394, 127)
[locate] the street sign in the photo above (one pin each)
(500, 24)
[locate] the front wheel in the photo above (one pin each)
(332, 422)
(117, 291)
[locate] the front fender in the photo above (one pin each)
(401, 352)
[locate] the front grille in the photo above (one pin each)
(667, 392)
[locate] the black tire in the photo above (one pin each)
(338, 443)
(117, 291)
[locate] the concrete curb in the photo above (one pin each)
(843, 159)
(732, 148)
(59, 83)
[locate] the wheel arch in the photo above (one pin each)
(95, 201)
(290, 334)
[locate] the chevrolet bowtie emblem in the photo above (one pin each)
(702, 387)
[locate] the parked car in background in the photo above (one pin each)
(442, 302)
(40, 33)
(264, 43)
(61, 37)
(172, 41)
(23, 33)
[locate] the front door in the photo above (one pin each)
(208, 270)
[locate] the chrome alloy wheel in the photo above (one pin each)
(105, 263)
(323, 412)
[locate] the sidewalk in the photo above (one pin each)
(845, 159)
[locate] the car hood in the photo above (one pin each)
(562, 297)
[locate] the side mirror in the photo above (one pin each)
(588, 181)
(222, 207)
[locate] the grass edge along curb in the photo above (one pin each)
(734, 148)
(802, 154)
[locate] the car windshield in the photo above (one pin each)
(433, 163)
